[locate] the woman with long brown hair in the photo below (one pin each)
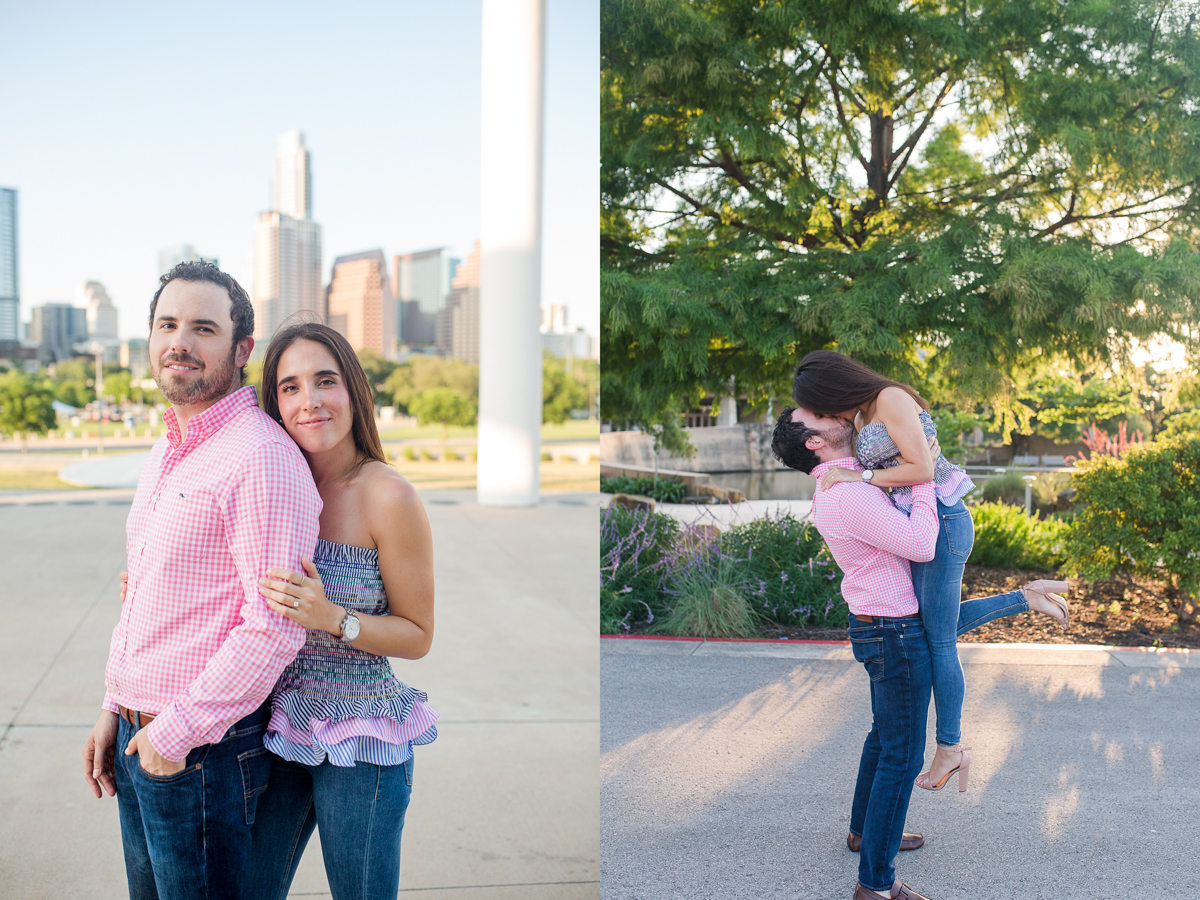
(893, 427)
(342, 726)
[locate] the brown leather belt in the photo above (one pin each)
(135, 718)
(883, 620)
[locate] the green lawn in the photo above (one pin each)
(571, 430)
(36, 477)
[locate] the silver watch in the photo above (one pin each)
(867, 475)
(349, 627)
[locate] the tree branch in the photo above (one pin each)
(913, 139)
(849, 132)
(721, 220)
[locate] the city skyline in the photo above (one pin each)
(393, 141)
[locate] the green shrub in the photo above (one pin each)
(633, 551)
(710, 599)
(1005, 536)
(664, 490)
(409, 453)
(792, 577)
(1141, 514)
(1183, 423)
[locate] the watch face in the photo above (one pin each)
(350, 628)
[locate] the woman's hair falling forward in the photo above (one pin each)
(366, 436)
(832, 384)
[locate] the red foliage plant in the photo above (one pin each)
(1102, 445)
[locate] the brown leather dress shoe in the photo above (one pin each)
(899, 892)
(908, 842)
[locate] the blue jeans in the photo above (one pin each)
(360, 811)
(896, 656)
(938, 586)
(188, 835)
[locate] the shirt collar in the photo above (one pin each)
(221, 412)
(848, 462)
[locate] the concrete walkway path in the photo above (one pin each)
(727, 770)
(505, 802)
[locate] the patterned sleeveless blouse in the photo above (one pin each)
(877, 450)
(337, 702)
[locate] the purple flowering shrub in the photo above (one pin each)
(634, 549)
(658, 576)
(791, 578)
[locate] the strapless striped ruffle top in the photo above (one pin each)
(339, 703)
(877, 450)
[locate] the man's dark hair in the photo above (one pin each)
(788, 442)
(242, 312)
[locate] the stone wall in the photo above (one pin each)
(734, 448)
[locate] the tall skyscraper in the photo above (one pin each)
(291, 177)
(10, 300)
(362, 307)
(101, 314)
(457, 325)
(287, 244)
(422, 283)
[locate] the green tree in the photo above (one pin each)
(74, 381)
(445, 406)
(562, 390)
(119, 385)
(377, 369)
(420, 374)
(26, 404)
(73, 393)
(985, 182)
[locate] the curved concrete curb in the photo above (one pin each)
(118, 471)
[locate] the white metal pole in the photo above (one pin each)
(510, 354)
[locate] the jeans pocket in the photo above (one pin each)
(255, 765)
(960, 532)
(167, 779)
(869, 652)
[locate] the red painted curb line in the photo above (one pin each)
(653, 637)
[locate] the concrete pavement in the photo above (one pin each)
(727, 771)
(505, 802)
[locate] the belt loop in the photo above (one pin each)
(137, 720)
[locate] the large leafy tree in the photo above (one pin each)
(26, 404)
(980, 184)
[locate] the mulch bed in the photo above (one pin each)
(1120, 611)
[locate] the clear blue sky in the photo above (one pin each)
(128, 127)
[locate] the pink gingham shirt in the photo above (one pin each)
(873, 541)
(197, 644)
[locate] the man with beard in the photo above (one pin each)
(873, 543)
(224, 496)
